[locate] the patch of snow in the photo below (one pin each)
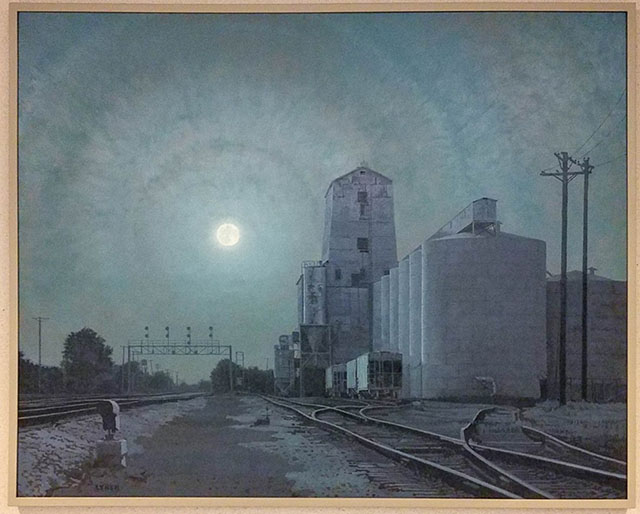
(51, 456)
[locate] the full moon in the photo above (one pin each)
(228, 234)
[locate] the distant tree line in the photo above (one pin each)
(50, 377)
(249, 379)
(87, 368)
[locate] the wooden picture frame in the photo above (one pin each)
(12, 328)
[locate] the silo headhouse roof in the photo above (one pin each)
(357, 173)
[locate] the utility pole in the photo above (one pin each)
(242, 374)
(565, 177)
(122, 372)
(128, 369)
(40, 319)
(586, 170)
(134, 373)
(230, 369)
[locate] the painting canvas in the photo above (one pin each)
(322, 253)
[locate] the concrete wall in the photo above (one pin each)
(377, 316)
(415, 323)
(384, 313)
(485, 315)
(606, 338)
(403, 322)
(393, 310)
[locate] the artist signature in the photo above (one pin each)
(107, 487)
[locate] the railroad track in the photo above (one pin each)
(443, 459)
(42, 414)
(468, 468)
(52, 401)
(560, 469)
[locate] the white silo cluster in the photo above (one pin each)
(466, 309)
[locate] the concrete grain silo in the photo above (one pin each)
(393, 310)
(403, 321)
(483, 309)
(414, 362)
(376, 317)
(384, 309)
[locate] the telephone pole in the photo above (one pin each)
(40, 319)
(122, 372)
(586, 170)
(565, 177)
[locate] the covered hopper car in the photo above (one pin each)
(336, 380)
(371, 375)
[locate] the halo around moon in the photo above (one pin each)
(228, 234)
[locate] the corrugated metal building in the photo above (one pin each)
(606, 337)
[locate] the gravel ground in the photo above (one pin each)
(440, 417)
(599, 427)
(217, 451)
(210, 447)
(52, 456)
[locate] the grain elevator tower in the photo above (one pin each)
(359, 247)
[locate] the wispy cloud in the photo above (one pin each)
(138, 133)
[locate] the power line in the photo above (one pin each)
(611, 160)
(603, 121)
(611, 131)
(599, 164)
(564, 176)
(548, 169)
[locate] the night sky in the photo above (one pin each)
(141, 133)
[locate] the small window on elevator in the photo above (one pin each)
(362, 197)
(363, 244)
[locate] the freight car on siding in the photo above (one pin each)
(336, 380)
(371, 375)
